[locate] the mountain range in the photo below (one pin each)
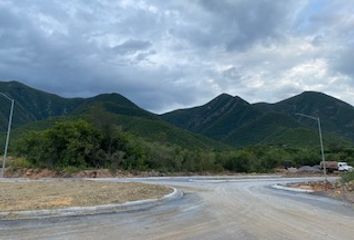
(37, 110)
(224, 121)
(234, 121)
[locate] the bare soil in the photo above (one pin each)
(336, 190)
(51, 194)
(37, 173)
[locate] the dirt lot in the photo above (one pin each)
(15, 196)
(335, 190)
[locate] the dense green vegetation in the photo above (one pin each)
(80, 144)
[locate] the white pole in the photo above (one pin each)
(322, 151)
(321, 141)
(7, 137)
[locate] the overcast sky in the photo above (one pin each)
(171, 54)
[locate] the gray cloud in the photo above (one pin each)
(240, 24)
(171, 54)
(132, 46)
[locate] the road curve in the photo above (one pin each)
(212, 208)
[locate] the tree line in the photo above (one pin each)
(80, 144)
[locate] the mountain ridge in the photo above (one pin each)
(226, 119)
(36, 109)
(337, 117)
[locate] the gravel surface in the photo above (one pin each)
(211, 209)
(50, 194)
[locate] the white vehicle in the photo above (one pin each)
(343, 166)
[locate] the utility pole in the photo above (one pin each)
(8, 132)
(321, 140)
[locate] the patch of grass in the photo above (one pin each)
(19, 162)
(347, 177)
(71, 169)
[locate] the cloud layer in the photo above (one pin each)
(169, 54)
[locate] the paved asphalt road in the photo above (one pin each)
(231, 208)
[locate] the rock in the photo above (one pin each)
(292, 170)
(29, 172)
(309, 169)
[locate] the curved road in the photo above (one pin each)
(212, 208)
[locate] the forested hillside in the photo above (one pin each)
(239, 123)
(227, 133)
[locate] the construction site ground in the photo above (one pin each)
(63, 193)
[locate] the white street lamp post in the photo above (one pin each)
(8, 132)
(321, 141)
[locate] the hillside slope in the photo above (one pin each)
(216, 118)
(32, 104)
(336, 116)
(236, 122)
(35, 109)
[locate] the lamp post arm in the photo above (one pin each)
(307, 116)
(5, 96)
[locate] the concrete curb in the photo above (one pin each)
(99, 209)
(281, 187)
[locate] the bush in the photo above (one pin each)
(78, 144)
(347, 177)
(67, 144)
(19, 162)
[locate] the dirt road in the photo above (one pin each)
(211, 209)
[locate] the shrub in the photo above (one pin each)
(19, 162)
(347, 177)
(67, 144)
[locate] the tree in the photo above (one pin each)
(68, 143)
